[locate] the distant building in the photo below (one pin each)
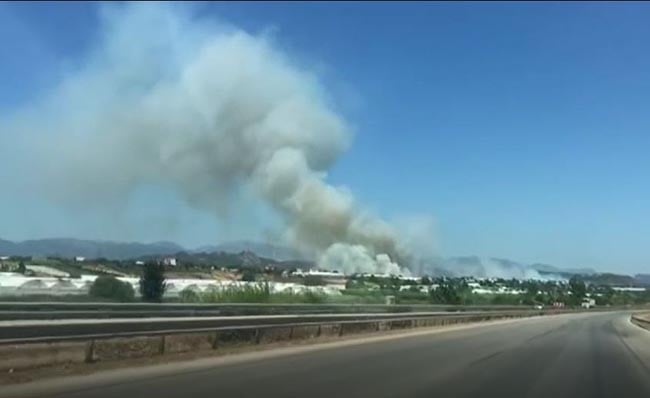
(139, 262)
(390, 276)
(629, 289)
(333, 279)
(588, 303)
(4, 258)
(80, 259)
(170, 261)
(47, 271)
(314, 272)
(417, 288)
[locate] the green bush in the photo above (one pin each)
(248, 276)
(446, 293)
(189, 296)
(110, 288)
(250, 293)
(412, 297)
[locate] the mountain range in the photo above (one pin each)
(67, 247)
(280, 253)
(451, 266)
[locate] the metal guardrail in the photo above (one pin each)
(264, 324)
(55, 331)
(36, 305)
(62, 310)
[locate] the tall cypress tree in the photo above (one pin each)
(152, 282)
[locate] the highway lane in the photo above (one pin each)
(578, 355)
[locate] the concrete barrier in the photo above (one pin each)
(108, 347)
(641, 320)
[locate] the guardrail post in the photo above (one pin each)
(378, 326)
(258, 336)
(341, 330)
(90, 352)
(215, 340)
(291, 333)
(318, 332)
(413, 323)
(161, 345)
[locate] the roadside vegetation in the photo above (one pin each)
(152, 282)
(359, 289)
(255, 293)
(107, 287)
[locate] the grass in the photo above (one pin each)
(260, 293)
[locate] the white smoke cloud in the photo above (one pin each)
(495, 268)
(486, 268)
(207, 110)
(351, 259)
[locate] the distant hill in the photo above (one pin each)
(240, 253)
(643, 279)
(550, 269)
(611, 279)
(64, 247)
(243, 259)
(496, 267)
(255, 254)
(261, 249)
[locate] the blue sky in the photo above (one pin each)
(524, 129)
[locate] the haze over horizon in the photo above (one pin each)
(510, 130)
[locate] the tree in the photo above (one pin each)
(446, 293)
(578, 289)
(352, 284)
(21, 267)
(532, 288)
(248, 276)
(152, 282)
(108, 287)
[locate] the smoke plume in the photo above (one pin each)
(207, 110)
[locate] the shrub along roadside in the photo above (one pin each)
(254, 293)
(109, 288)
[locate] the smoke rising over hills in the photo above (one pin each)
(206, 110)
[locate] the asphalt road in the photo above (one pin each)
(578, 355)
